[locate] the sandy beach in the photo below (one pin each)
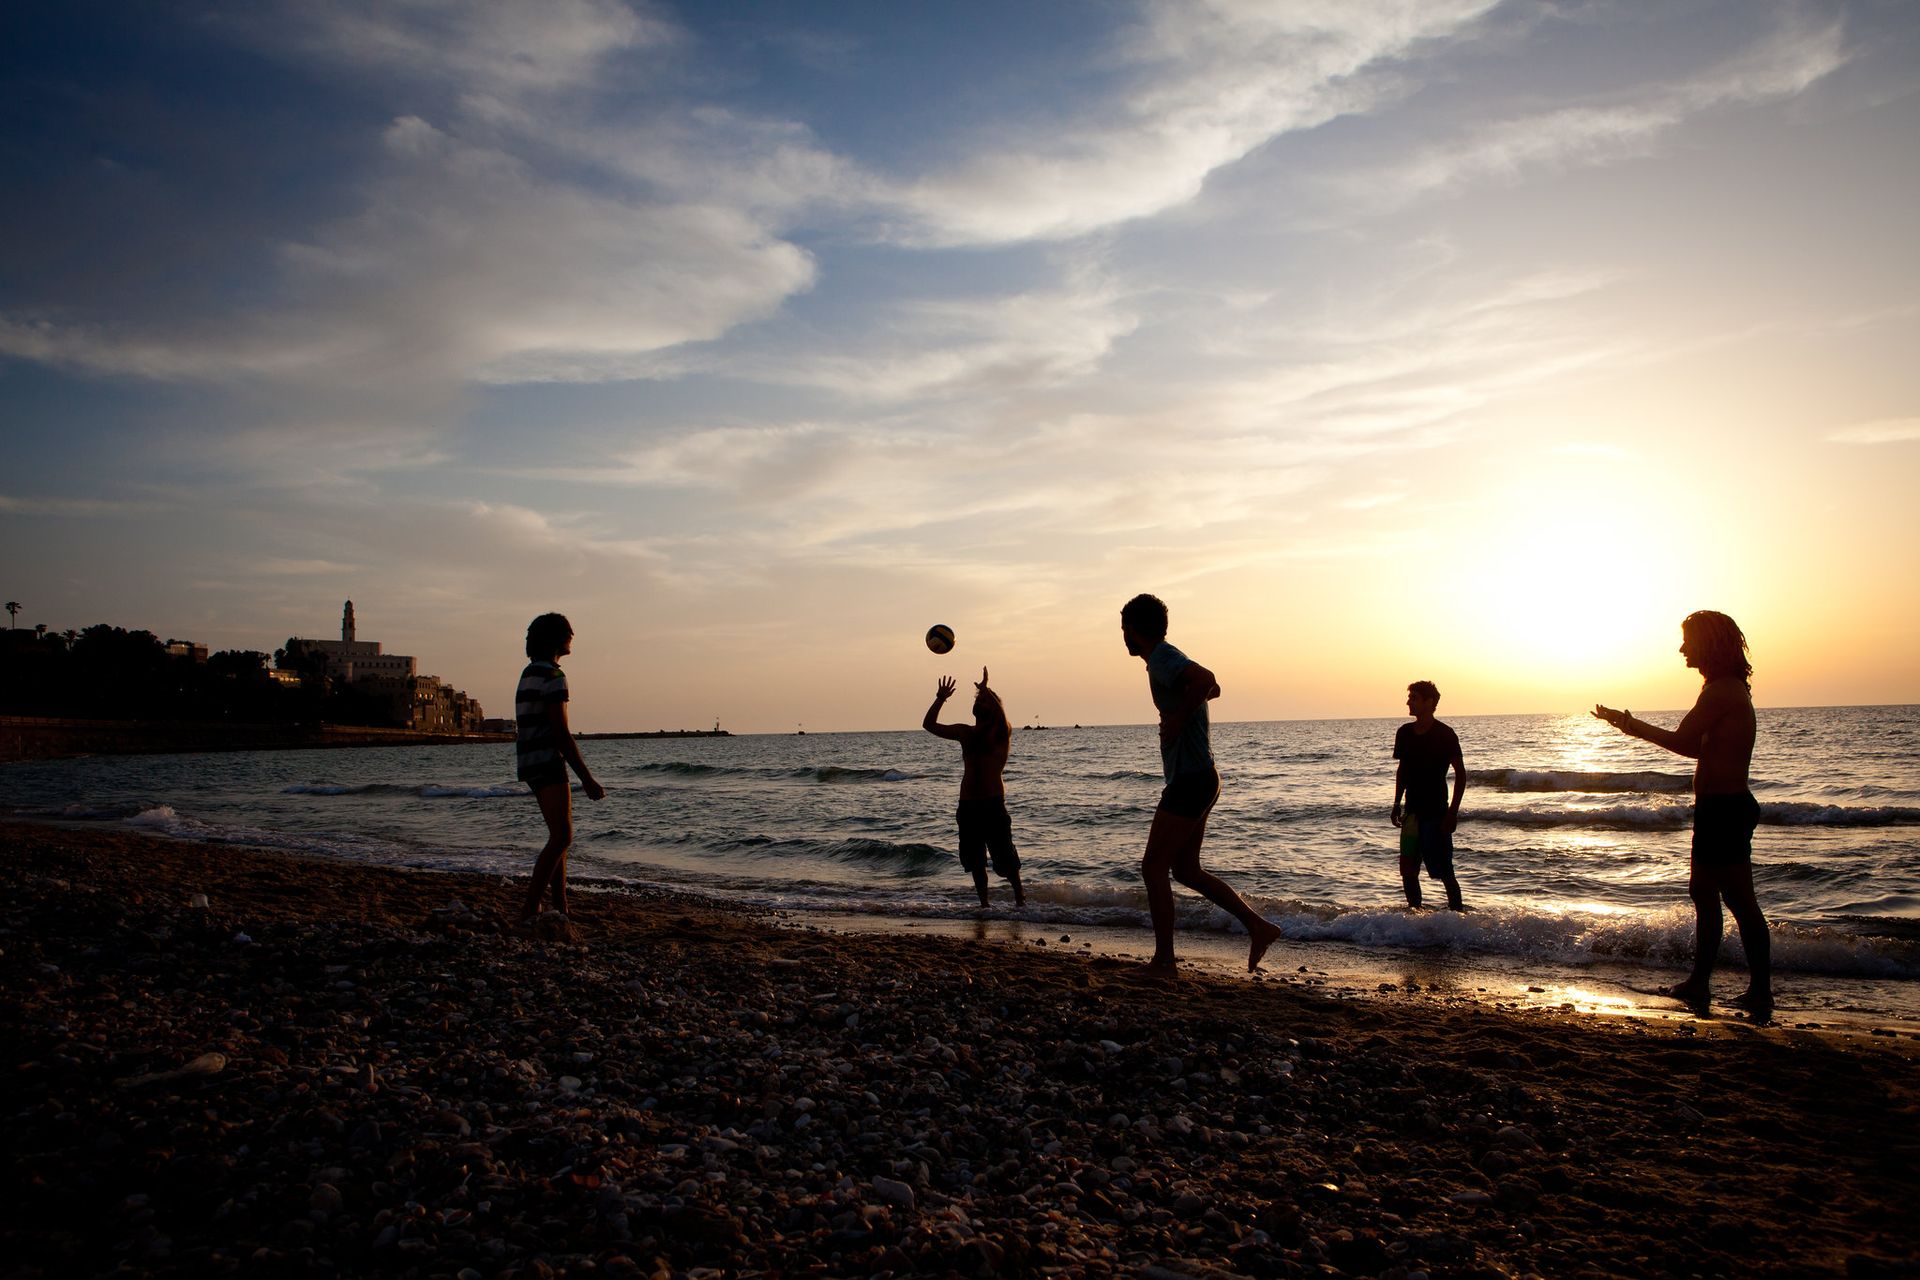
(226, 1061)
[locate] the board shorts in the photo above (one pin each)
(542, 776)
(986, 829)
(1428, 840)
(1723, 830)
(1191, 795)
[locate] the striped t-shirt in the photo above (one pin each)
(541, 685)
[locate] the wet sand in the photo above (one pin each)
(339, 1070)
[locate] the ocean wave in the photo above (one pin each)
(1800, 814)
(426, 791)
(1662, 939)
(817, 773)
(113, 811)
(1654, 940)
(164, 820)
(494, 792)
(1577, 780)
(1678, 816)
(1618, 817)
(848, 773)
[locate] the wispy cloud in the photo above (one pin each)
(1204, 82)
(1884, 431)
(77, 507)
(1625, 125)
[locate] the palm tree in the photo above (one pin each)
(13, 611)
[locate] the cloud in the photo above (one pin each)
(79, 507)
(1885, 431)
(1779, 67)
(463, 265)
(1036, 338)
(281, 567)
(498, 47)
(1207, 81)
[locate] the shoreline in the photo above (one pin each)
(37, 738)
(399, 1085)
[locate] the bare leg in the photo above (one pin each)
(556, 806)
(1454, 900)
(1019, 894)
(1737, 888)
(980, 884)
(1708, 925)
(1188, 871)
(1167, 837)
(1410, 877)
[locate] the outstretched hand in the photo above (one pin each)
(945, 689)
(981, 683)
(1618, 719)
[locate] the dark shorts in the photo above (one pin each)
(985, 828)
(542, 776)
(1428, 840)
(1723, 830)
(1191, 795)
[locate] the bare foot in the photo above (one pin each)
(1693, 994)
(1257, 943)
(1757, 1003)
(1162, 967)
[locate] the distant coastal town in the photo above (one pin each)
(105, 689)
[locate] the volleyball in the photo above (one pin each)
(940, 638)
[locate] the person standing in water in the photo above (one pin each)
(985, 827)
(544, 747)
(1181, 689)
(1426, 749)
(1718, 734)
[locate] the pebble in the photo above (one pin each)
(893, 1192)
(394, 1097)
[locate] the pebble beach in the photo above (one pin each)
(226, 1061)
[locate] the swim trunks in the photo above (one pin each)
(1430, 841)
(1723, 829)
(1191, 795)
(986, 828)
(540, 777)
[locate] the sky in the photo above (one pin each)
(1449, 339)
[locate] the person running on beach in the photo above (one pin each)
(1718, 733)
(984, 825)
(1425, 750)
(1181, 690)
(544, 747)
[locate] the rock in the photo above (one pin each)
(893, 1192)
(1515, 1138)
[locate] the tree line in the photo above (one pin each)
(109, 673)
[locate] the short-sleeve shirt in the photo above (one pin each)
(1426, 757)
(1191, 751)
(536, 749)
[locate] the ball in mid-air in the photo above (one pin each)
(940, 638)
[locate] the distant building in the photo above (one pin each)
(190, 649)
(426, 704)
(356, 660)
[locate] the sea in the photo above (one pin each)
(1571, 849)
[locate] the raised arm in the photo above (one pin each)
(931, 721)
